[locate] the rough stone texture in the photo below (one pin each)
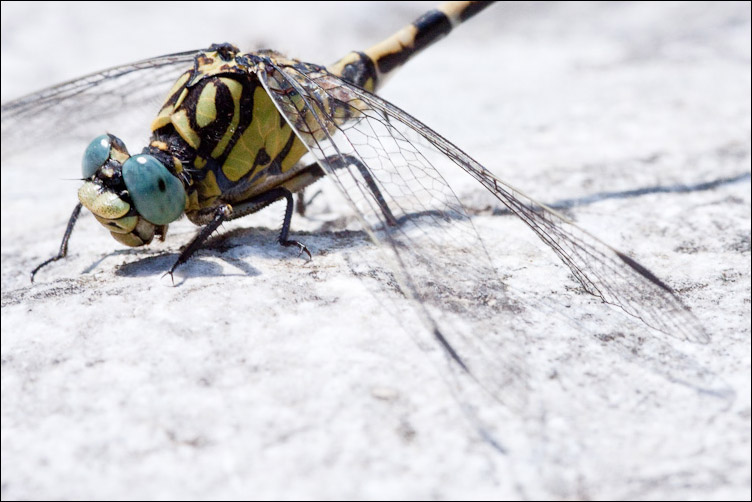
(262, 375)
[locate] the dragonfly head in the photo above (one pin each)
(132, 197)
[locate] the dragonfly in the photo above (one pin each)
(239, 131)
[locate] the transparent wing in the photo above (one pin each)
(81, 109)
(340, 121)
(403, 202)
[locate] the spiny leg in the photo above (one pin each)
(343, 161)
(225, 212)
(301, 204)
(221, 213)
(63, 245)
(273, 195)
(314, 171)
(286, 226)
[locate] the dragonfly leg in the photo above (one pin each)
(63, 245)
(343, 161)
(268, 197)
(283, 240)
(301, 203)
(221, 213)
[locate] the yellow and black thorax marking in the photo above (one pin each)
(222, 134)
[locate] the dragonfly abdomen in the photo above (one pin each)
(369, 69)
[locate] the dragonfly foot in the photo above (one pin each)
(303, 248)
(170, 273)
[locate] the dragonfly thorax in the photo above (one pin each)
(225, 133)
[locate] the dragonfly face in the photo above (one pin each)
(132, 197)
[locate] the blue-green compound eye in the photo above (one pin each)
(158, 195)
(96, 155)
